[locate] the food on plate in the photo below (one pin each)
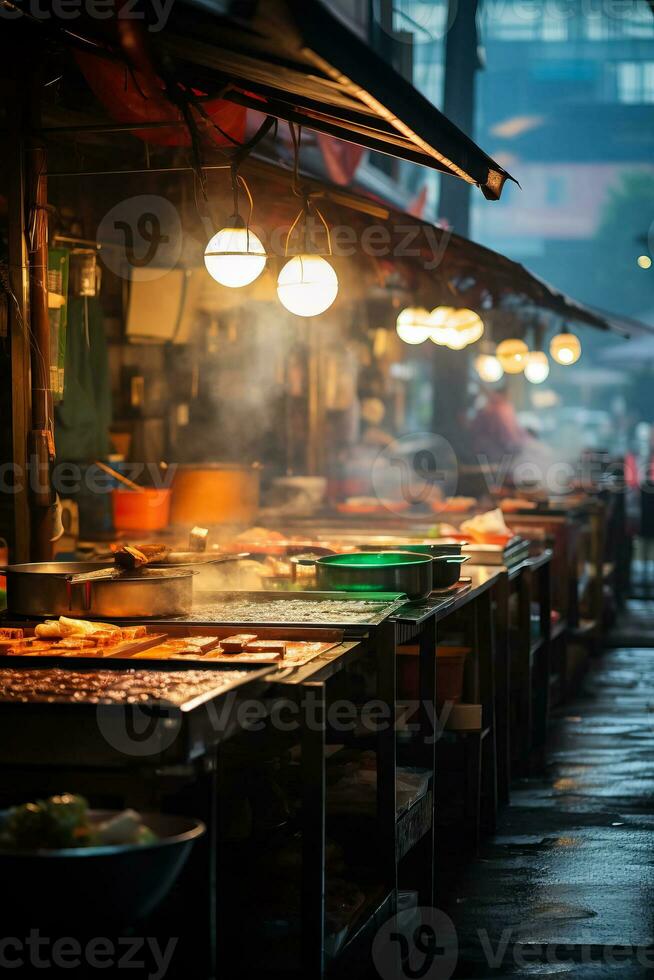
(10, 633)
(8, 646)
(488, 528)
(65, 628)
(454, 505)
(50, 630)
(76, 627)
(372, 505)
(512, 504)
(277, 647)
(64, 821)
(235, 644)
(182, 646)
(129, 557)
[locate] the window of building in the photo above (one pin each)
(635, 82)
(529, 20)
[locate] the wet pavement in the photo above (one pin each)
(566, 887)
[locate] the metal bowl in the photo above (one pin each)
(40, 589)
(387, 571)
(115, 885)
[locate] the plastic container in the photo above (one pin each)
(450, 666)
(144, 510)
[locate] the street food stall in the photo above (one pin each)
(228, 506)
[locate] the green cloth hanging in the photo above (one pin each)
(83, 418)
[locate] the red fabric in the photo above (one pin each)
(417, 206)
(341, 159)
(632, 471)
(132, 96)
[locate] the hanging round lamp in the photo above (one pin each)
(413, 325)
(512, 355)
(565, 348)
(537, 368)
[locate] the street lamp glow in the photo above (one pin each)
(537, 368)
(307, 285)
(235, 257)
(413, 325)
(489, 368)
(565, 348)
(512, 355)
(438, 319)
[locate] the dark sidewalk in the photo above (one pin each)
(571, 869)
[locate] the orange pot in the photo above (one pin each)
(144, 510)
(215, 493)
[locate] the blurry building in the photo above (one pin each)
(566, 101)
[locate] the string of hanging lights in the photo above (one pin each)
(307, 284)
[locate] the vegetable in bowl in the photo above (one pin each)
(64, 822)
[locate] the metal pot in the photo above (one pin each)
(388, 571)
(215, 493)
(447, 570)
(41, 589)
(435, 548)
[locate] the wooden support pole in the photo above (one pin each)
(17, 366)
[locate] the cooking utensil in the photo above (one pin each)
(215, 493)
(388, 571)
(119, 476)
(447, 570)
(117, 884)
(186, 559)
(435, 548)
(41, 589)
(127, 561)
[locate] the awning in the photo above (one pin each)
(296, 60)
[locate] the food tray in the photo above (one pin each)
(118, 719)
(337, 610)
(302, 648)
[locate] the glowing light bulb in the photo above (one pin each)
(644, 261)
(413, 325)
(512, 355)
(565, 348)
(456, 339)
(488, 368)
(235, 257)
(467, 322)
(307, 285)
(438, 320)
(537, 368)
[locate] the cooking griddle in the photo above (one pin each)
(318, 610)
(118, 718)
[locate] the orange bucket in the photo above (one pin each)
(144, 510)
